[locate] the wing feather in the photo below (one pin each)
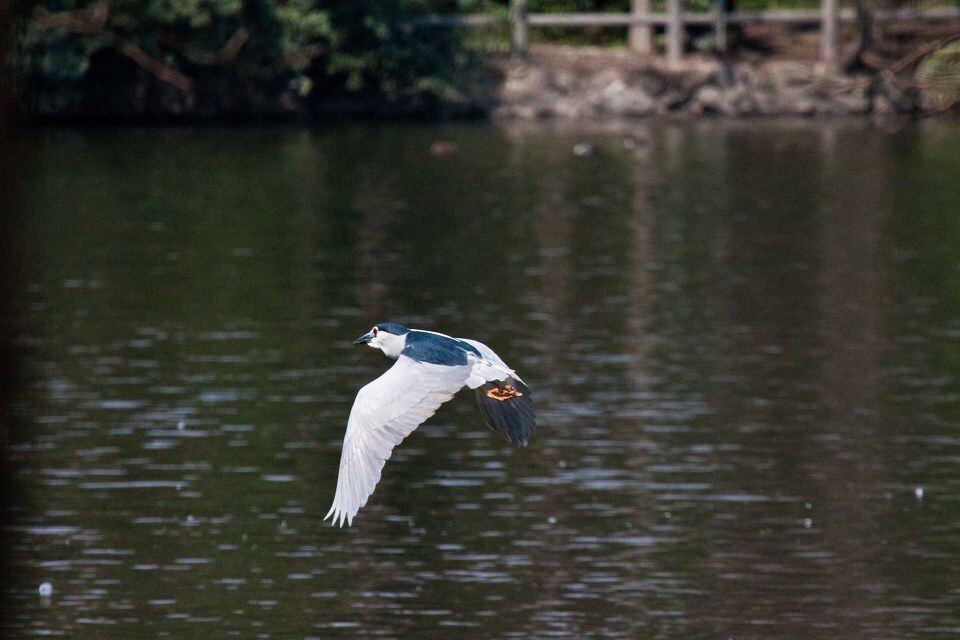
(488, 367)
(385, 412)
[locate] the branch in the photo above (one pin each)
(163, 71)
(226, 55)
(92, 22)
(917, 56)
(298, 57)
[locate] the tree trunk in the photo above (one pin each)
(863, 18)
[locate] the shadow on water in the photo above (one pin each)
(742, 340)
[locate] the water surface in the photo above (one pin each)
(743, 341)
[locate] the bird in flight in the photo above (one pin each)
(429, 369)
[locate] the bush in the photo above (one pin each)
(223, 56)
(939, 74)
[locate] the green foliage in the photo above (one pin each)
(251, 54)
(940, 74)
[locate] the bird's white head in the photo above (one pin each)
(389, 337)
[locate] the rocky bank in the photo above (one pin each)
(585, 83)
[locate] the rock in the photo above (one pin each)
(710, 100)
(563, 81)
(734, 101)
(766, 103)
(882, 105)
(650, 81)
(570, 107)
(523, 81)
(620, 100)
(894, 95)
(829, 96)
(584, 149)
(741, 101)
(792, 74)
(802, 106)
(746, 74)
(528, 112)
(442, 148)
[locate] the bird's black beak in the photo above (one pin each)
(364, 339)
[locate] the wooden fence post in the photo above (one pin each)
(640, 36)
(829, 19)
(721, 39)
(519, 28)
(674, 31)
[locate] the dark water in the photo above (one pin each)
(744, 342)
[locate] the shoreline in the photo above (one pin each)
(580, 84)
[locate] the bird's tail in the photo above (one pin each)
(508, 409)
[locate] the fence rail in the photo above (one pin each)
(674, 20)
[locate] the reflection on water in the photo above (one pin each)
(744, 343)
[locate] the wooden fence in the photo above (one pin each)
(641, 22)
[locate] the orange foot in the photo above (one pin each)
(503, 393)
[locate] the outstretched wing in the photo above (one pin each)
(385, 412)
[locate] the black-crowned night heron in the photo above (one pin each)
(430, 369)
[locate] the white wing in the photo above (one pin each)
(488, 367)
(385, 412)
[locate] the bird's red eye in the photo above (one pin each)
(375, 332)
